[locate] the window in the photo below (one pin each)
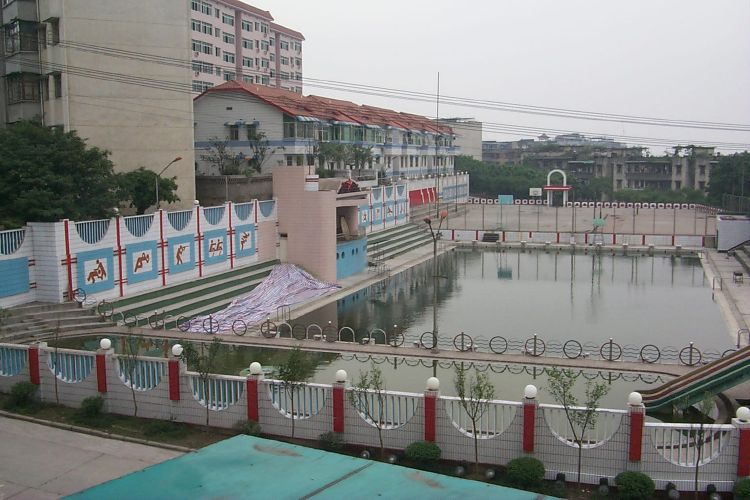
(247, 44)
(201, 7)
(229, 76)
(203, 67)
(264, 45)
(264, 28)
(298, 77)
(42, 29)
(678, 184)
(273, 73)
(227, 19)
(217, 51)
(247, 26)
(284, 75)
(265, 80)
(247, 62)
(54, 26)
(701, 185)
(199, 46)
(248, 78)
(199, 86)
(284, 60)
(264, 63)
(701, 170)
(678, 169)
(22, 88)
(298, 46)
(57, 83)
(257, 26)
(21, 36)
(234, 133)
(298, 62)
(217, 32)
(216, 12)
(228, 57)
(272, 57)
(284, 45)
(228, 38)
(202, 27)
(271, 42)
(45, 87)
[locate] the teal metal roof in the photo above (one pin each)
(249, 467)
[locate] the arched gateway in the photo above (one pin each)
(550, 188)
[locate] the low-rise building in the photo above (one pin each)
(295, 128)
(468, 136)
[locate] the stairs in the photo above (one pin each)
(39, 320)
(742, 254)
(395, 241)
(192, 298)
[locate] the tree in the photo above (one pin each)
(697, 436)
(731, 176)
(359, 156)
(48, 174)
(128, 362)
(474, 394)
(293, 373)
(491, 180)
(138, 186)
(333, 152)
(202, 361)
(580, 418)
(260, 148)
(219, 155)
(368, 397)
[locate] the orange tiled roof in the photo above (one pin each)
(326, 108)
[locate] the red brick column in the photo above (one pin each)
(253, 386)
(101, 371)
(742, 422)
(34, 377)
(430, 408)
(530, 405)
(174, 379)
(637, 415)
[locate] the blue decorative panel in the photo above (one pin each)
(377, 214)
(213, 215)
(96, 270)
(14, 276)
(244, 240)
(401, 210)
(141, 262)
(244, 211)
(390, 211)
(214, 246)
(181, 252)
(351, 257)
(364, 215)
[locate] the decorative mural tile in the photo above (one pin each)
(141, 262)
(244, 240)
(181, 252)
(390, 213)
(364, 215)
(95, 270)
(14, 276)
(214, 246)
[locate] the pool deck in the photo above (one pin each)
(250, 467)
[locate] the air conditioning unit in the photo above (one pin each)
(196, 54)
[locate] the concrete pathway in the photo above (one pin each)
(40, 462)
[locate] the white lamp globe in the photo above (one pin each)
(433, 384)
(255, 368)
(177, 350)
(105, 344)
(530, 391)
(743, 413)
(635, 399)
(341, 376)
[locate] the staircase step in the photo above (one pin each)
(418, 238)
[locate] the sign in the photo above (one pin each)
(505, 199)
(535, 191)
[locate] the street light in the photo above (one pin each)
(158, 176)
(435, 237)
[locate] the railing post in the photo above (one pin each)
(636, 414)
(430, 408)
(530, 405)
(174, 373)
(105, 350)
(742, 423)
(253, 381)
(34, 377)
(338, 401)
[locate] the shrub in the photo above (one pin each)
(423, 451)
(21, 395)
(742, 489)
(250, 428)
(165, 428)
(525, 471)
(331, 441)
(634, 485)
(90, 413)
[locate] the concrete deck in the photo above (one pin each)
(39, 462)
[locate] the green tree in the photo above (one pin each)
(731, 176)
(128, 361)
(219, 155)
(293, 373)
(203, 361)
(359, 156)
(492, 180)
(580, 418)
(139, 188)
(474, 394)
(260, 148)
(48, 174)
(368, 397)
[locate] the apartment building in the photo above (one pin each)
(99, 68)
(295, 126)
(468, 135)
(231, 40)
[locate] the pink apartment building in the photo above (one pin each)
(231, 40)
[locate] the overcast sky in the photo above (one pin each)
(676, 59)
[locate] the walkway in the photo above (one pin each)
(40, 462)
(248, 467)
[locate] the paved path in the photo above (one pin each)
(40, 462)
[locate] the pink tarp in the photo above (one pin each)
(287, 285)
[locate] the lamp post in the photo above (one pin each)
(435, 237)
(158, 176)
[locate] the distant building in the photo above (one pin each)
(468, 135)
(401, 144)
(597, 157)
(231, 40)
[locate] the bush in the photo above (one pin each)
(634, 485)
(423, 451)
(250, 428)
(742, 489)
(525, 471)
(331, 441)
(90, 413)
(21, 395)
